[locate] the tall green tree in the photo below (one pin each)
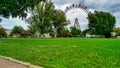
(42, 16)
(59, 20)
(45, 17)
(16, 8)
(101, 22)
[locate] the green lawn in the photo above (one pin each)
(64, 52)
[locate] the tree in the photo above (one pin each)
(16, 8)
(75, 32)
(102, 23)
(117, 30)
(60, 29)
(45, 16)
(63, 32)
(17, 30)
(41, 17)
(26, 33)
(88, 31)
(3, 32)
(59, 20)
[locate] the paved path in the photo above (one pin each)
(7, 62)
(4, 63)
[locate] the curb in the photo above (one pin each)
(20, 62)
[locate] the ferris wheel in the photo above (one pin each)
(74, 6)
(80, 6)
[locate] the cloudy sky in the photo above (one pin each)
(112, 6)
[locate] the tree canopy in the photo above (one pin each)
(17, 30)
(59, 20)
(116, 29)
(40, 21)
(3, 32)
(16, 8)
(75, 32)
(46, 19)
(101, 22)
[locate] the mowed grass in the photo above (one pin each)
(64, 52)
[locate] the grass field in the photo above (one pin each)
(64, 52)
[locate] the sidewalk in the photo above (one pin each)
(6, 62)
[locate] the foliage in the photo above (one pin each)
(17, 30)
(32, 29)
(59, 20)
(27, 33)
(42, 17)
(75, 32)
(64, 52)
(63, 32)
(89, 31)
(0, 20)
(60, 29)
(45, 16)
(84, 32)
(16, 8)
(3, 32)
(117, 33)
(101, 22)
(116, 29)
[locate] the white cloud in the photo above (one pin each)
(11, 22)
(62, 7)
(117, 15)
(96, 3)
(92, 10)
(62, 2)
